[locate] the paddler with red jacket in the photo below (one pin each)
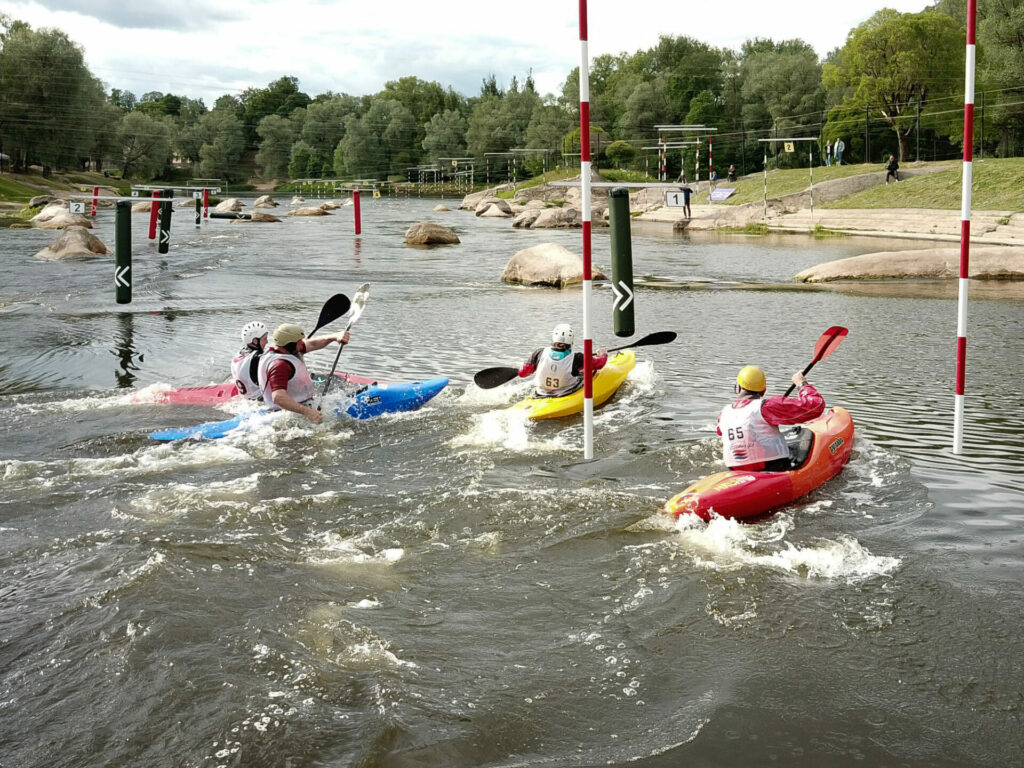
(751, 438)
(284, 379)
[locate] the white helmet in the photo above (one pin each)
(253, 332)
(562, 334)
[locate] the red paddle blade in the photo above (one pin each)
(829, 341)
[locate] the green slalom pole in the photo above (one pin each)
(622, 261)
(123, 252)
(164, 234)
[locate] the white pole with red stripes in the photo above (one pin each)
(588, 343)
(965, 229)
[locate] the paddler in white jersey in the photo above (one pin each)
(751, 438)
(283, 377)
(245, 365)
(556, 370)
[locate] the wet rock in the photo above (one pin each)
(429, 233)
(546, 264)
(73, 242)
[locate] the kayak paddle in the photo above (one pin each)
(333, 308)
(358, 302)
(826, 345)
(489, 378)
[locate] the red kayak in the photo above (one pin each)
(213, 394)
(818, 450)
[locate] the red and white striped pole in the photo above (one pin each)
(95, 198)
(711, 171)
(588, 343)
(206, 203)
(357, 215)
(965, 228)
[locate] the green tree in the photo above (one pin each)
(445, 135)
(143, 144)
(620, 153)
(222, 150)
(45, 90)
(895, 61)
(281, 98)
(277, 134)
(323, 126)
(299, 163)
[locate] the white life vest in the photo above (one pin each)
(747, 438)
(300, 385)
(554, 377)
(245, 373)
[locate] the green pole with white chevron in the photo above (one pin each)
(622, 261)
(123, 252)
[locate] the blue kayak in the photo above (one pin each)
(373, 400)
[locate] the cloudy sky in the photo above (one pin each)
(206, 48)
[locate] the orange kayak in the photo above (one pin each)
(821, 448)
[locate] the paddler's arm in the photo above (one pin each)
(599, 360)
(286, 402)
(808, 404)
(530, 366)
(312, 345)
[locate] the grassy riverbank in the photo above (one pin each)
(996, 185)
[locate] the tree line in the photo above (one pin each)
(898, 79)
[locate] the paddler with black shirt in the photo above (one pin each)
(284, 379)
(556, 370)
(751, 438)
(245, 365)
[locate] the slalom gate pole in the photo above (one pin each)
(588, 342)
(206, 203)
(123, 252)
(356, 212)
(965, 228)
(154, 212)
(95, 200)
(166, 207)
(622, 261)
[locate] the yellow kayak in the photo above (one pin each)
(606, 383)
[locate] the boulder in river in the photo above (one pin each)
(429, 233)
(73, 242)
(318, 211)
(57, 216)
(988, 262)
(546, 264)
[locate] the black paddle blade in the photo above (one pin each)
(333, 308)
(489, 378)
(659, 337)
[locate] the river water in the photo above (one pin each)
(453, 587)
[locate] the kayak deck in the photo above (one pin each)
(371, 400)
(606, 382)
(742, 494)
(213, 394)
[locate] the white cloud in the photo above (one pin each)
(199, 49)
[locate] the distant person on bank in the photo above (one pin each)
(839, 147)
(892, 169)
(828, 152)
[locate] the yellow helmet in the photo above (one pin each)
(751, 378)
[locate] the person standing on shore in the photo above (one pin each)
(828, 152)
(892, 169)
(839, 147)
